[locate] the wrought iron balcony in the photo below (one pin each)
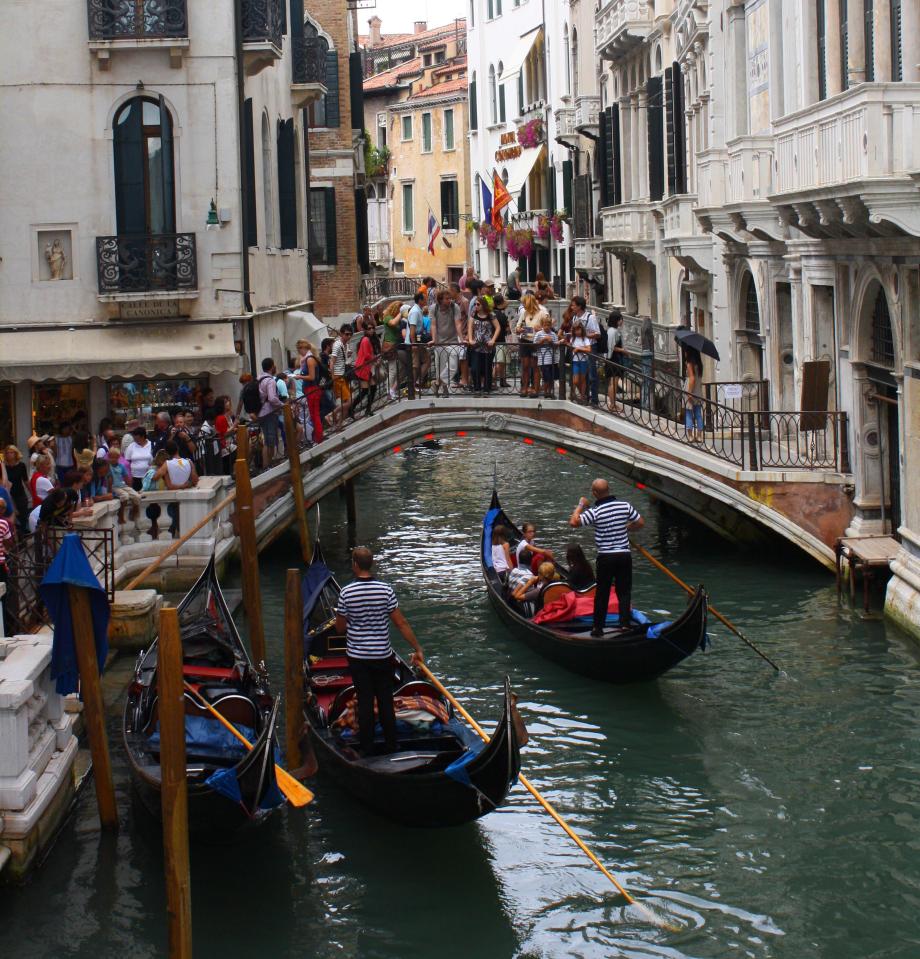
(154, 263)
(308, 69)
(137, 19)
(262, 33)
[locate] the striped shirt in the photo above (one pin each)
(546, 341)
(339, 357)
(6, 536)
(366, 605)
(609, 517)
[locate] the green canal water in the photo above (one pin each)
(767, 816)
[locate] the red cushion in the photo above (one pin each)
(210, 672)
(331, 662)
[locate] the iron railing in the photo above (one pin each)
(263, 21)
(308, 59)
(743, 395)
(375, 288)
(137, 19)
(28, 560)
(147, 263)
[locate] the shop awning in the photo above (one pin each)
(517, 52)
(181, 349)
(300, 325)
(519, 169)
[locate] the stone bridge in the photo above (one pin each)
(808, 507)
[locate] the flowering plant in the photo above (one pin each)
(530, 134)
(543, 227)
(493, 238)
(520, 244)
(556, 224)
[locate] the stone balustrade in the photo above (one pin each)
(37, 750)
(628, 224)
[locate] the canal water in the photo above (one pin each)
(765, 816)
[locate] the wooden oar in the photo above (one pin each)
(664, 569)
(296, 793)
(528, 785)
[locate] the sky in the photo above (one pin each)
(399, 15)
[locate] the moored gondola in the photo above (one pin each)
(639, 653)
(442, 774)
(228, 785)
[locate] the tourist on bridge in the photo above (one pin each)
(598, 343)
(618, 358)
(465, 279)
(448, 331)
(270, 406)
(530, 320)
(545, 341)
(693, 394)
(63, 450)
(15, 477)
(647, 342)
(514, 284)
(613, 520)
(366, 608)
(484, 330)
(340, 389)
(162, 426)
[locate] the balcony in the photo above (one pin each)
(684, 237)
(128, 24)
(587, 116)
(620, 25)
(308, 69)
(589, 255)
(628, 226)
(847, 166)
(379, 251)
(262, 34)
(533, 111)
(147, 267)
(565, 124)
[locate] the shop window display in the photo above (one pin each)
(141, 399)
(7, 416)
(53, 403)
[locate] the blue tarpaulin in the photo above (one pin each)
(488, 523)
(314, 581)
(71, 568)
(204, 735)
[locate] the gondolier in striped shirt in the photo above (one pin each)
(613, 520)
(366, 608)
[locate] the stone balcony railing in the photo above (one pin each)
(619, 25)
(589, 255)
(150, 263)
(533, 111)
(587, 114)
(740, 175)
(565, 122)
(678, 217)
(868, 132)
(628, 225)
(379, 252)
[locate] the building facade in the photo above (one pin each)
(155, 235)
(520, 88)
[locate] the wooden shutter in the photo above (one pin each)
(567, 178)
(249, 176)
(332, 253)
(501, 102)
(167, 170)
(130, 196)
(897, 50)
(680, 144)
(284, 16)
(603, 148)
(582, 204)
(655, 139)
(520, 91)
(669, 131)
(474, 108)
(821, 31)
(333, 116)
(287, 185)
(844, 44)
(869, 31)
(615, 190)
(361, 236)
(356, 90)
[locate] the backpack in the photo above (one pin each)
(600, 344)
(252, 397)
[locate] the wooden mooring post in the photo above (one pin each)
(242, 443)
(249, 558)
(174, 786)
(293, 668)
(300, 506)
(93, 705)
(351, 511)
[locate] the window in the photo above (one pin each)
(882, 339)
(268, 205)
(450, 205)
(474, 105)
(493, 97)
(897, 53)
(406, 127)
(822, 49)
(426, 60)
(324, 112)
(426, 133)
(520, 88)
(287, 185)
(381, 130)
(408, 212)
(567, 58)
(249, 200)
(844, 44)
(322, 226)
(751, 309)
(574, 62)
(495, 8)
(440, 56)
(449, 143)
(144, 168)
(501, 103)
(869, 29)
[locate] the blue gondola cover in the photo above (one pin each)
(70, 567)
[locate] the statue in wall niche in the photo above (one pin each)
(57, 260)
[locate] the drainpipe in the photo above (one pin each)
(547, 112)
(244, 183)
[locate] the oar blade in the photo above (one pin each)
(295, 792)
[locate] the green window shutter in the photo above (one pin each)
(567, 177)
(361, 234)
(252, 237)
(501, 102)
(287, 185)
(333, 116)
(474, 108)
(356, 90)
(655, 139)
(331, 245)
(130, 196)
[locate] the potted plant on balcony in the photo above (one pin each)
(520, 244)
(556, 225)
(530, 134)
(376, 160)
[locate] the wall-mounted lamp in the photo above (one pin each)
(212, 223)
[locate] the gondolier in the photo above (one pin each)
(613, 520)
(365, 608)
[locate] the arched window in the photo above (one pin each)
(493, 96)
(567, 55)
(882, 338)
(268, 205)
(574, 62)
(751, 309)
(658, 63)
(145, 201)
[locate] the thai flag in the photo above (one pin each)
(434, 231)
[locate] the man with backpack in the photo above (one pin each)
(270, 406)
(595, 334)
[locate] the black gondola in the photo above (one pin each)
(442, 773)
(636, 654)
(228, 786)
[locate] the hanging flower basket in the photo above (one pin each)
(556, 225)
(530, 134)
(520, 244)
(543, 228)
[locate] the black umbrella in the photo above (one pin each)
(697, 342)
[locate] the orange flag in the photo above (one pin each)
(500, 199)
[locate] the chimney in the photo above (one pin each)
(421, 26)
(374, 23)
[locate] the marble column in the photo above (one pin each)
(626, 148)
(642, 144)
(637, 151)
(882, 40)
(856, 42)
(832, 52)
(910, 30)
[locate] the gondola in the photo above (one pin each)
(228, 786)
(442, 773)
(636, 654)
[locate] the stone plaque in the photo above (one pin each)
(148, 309)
